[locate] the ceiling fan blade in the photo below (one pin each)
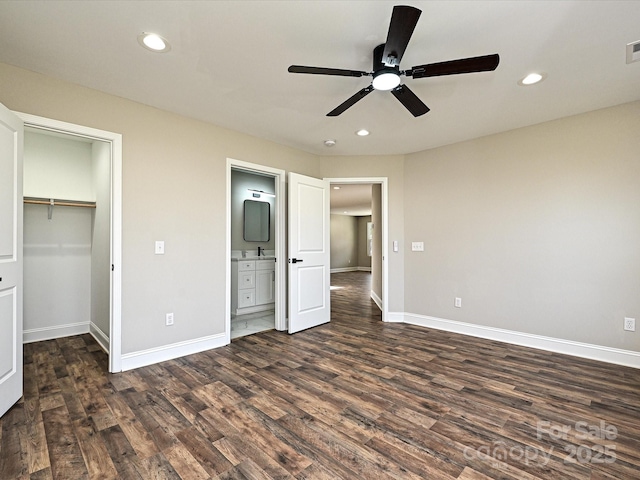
(485, 63)
(403, 22)
(410, 100)
(326, 71)
(351, 101)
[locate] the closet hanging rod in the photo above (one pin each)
(57, 202)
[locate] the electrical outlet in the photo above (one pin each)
(417, 246)
(630, 324)
(169, 319)
(458, 302)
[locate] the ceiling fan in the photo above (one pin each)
(386, 66)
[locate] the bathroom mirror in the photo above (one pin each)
(256, 221)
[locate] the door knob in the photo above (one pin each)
(296, 260)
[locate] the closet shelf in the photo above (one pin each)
(55, 202)
(59, 203)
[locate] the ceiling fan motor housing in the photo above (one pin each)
(379, 65)
(390, 76)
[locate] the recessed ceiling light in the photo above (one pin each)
(153, 42)
(329, 143)
(336, 188)
(362, 132)
(532, 79)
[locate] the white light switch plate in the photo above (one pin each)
(417, 246)
(395, 245)
(159, 247)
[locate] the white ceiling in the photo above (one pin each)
(351, 199)
(229, 59)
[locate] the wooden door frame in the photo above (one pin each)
(115, 141)
(279, 177)
(384, 183)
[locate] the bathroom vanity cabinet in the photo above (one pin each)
(252, 285)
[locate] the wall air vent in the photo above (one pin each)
(633, 52)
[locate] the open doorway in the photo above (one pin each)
(253, 202)
(72, 240)
(358, 243)
(255, 253)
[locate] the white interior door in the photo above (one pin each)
(309, 268)
(11, 141)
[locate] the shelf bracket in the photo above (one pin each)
(50, 209)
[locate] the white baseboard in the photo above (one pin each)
(376, 299)
(100, 337)
(57, 331)
(350, 269)
(143, 358)
(395, 317)
(577, 349)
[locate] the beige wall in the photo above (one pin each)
(364, 260)
(57, 268)
(376, 256)
(101, 238)
(537, 229)
(57, 167)
(349, 242)
(344, 241)
(174, 189)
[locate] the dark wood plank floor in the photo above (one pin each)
(353, 399)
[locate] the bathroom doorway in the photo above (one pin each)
(255, 253)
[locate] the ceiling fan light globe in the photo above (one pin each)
(386, 81)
